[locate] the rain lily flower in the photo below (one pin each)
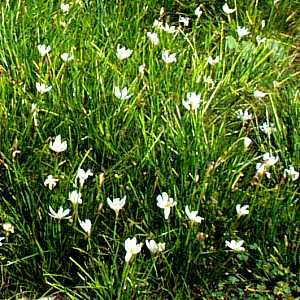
(1, 239)
(157, 24)
(121, 94)
(228, 10)
(75, 197)
(291, 173)
(86, 225)
(58, 146)
(267, 128)
(116, 204)
(242, 210)
(67, 57)
(244, 115)
(65, 7)
(270, 160)
(168, 58)
(82, 176)
(61, 214)
(247, 142)
(7, 227)
(169, 29)
(165, 202)
(132, 248)
(153, 38)
(43, 49)
(155, 247)
(123, 53)
(51, 182)
(42, 88)
(142, 69)
(198, 12)
(184, 21)
(242, 31)
(213, 61)
(234, 245)
(259, 94)
(261, 170)
(192, 215)
(192, 102)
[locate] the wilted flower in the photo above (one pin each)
(259, 94)
(153, 38)
(132, 248)
(242, 210)
(121, 94)
(165, 202)
(7, 227)
(213, 61)
(228, 10)
(116, 204)
(34, 110)
(198, 12)
(184, 20)
(234, 245)
(65, 7)
(247, 142)
(192, 215)
(42, 88)
(242, 31)
(82, 176)
(75, 197)
(58, 145)
(291, 173)
(123, 53)
(267, 128)
(67, 57)
(244, 115)
(61, 214)
(270, 160)
(43, 49)
(168, 58)
(155, 247)
(51, 182)
(192, 102)
(86, 225)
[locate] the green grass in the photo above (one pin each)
(147, 145)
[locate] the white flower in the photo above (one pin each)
(242, 210)
(263, 24)
(261, 170)
(82, 176)
(165, 202)
(184, 21)
(153, 38)
(65, 7)
(142, 69)
(8, 227)
(270, 160)
(260, 40)
(168, 58)
(244, 115)
(86, 225)
(122, 94)
(42, 88)
(157, 24)
(155, 247)
(213, 61)
(267, 128)
(242, 31)
(123, 53)
(116, 204)
(58, 145)
(234, 245)
(75, 197)
(228, 10)
(162, 11)
(43, 49)
(51, 182)
(132, 248)
(247, 142)
(192, 215)
(34, 110)
(169, 29)
(67, 57)
(1, 238)
(259, 94)
(192, 102)
(294, 175)
(198, 12)
(61, 214)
